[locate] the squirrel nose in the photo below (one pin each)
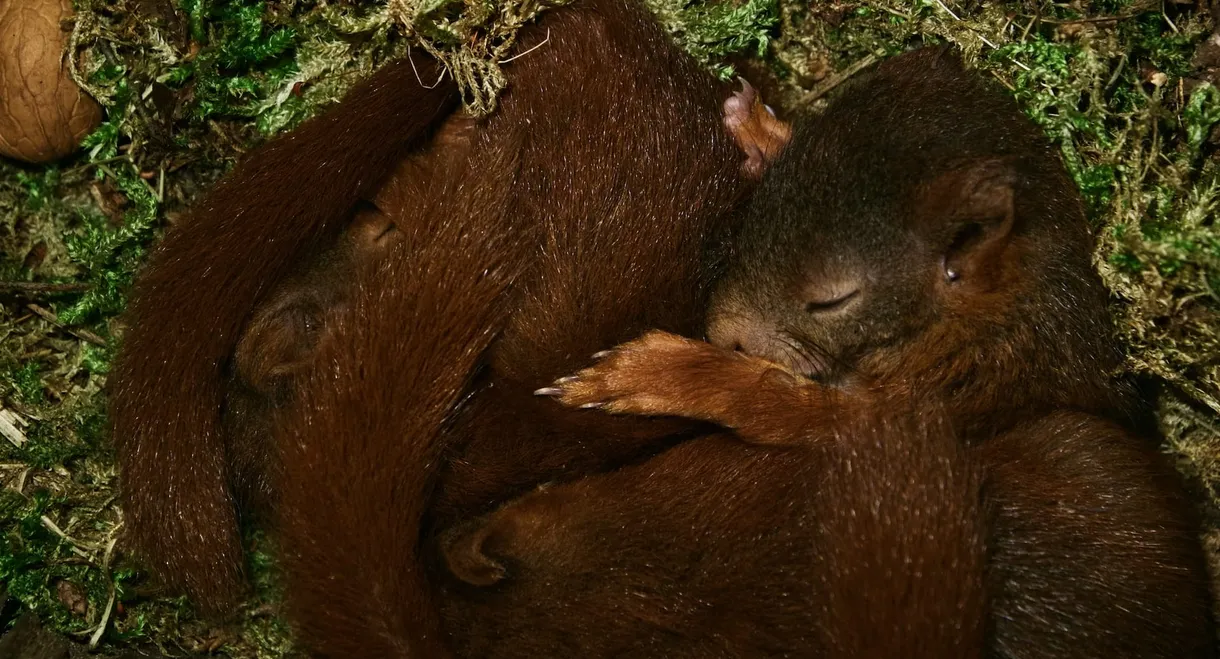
(740, 332)
(753, 335)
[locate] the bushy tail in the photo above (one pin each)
(902, 531)
(282, 202)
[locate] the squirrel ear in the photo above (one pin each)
(522, 532)
(759, 134)
(465, 552)
(975, 206)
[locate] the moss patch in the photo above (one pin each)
(1125, 88)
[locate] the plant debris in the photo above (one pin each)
(1127, 90)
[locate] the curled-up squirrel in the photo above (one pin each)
(935, 245)
(285, 203)
(566, 227)
(380, 386)
(1058, 538)
(277, 344)
(938, 457)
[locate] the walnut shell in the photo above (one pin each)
(43, 113)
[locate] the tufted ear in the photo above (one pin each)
(971, 211)
(759, 134)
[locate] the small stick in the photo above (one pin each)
(20, 486)
(1004, 82)
(101, 626)
(948, 11)
(444, 70)
(43, 287)
(21, 481)
(1081, 21)
(79, 333)
(837, 79)
(77, 546)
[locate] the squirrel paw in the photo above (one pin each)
(643, 377)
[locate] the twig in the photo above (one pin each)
(444, 70)
(42, 287)
(82, 167)
(101, 625)
(948, 11)
(1167, 19)
(108, 172)
(827, 85)
(976, 33)
(21, 481)
(1118, 70)
(1082, 21)
(1207, 287)
(110, 545)
(1029, 26)
(77, 546)
(79, 333)
(1007, 85)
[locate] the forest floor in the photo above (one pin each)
(1126, 88)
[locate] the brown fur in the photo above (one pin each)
(282, 203)
(277, 345)
(956, 282)
(626, 185)
(358, 441)
(1060, 538)
(663, 279)
(604, 231)
(1094, 550)
(422, 374)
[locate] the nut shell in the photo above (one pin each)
(43, 113)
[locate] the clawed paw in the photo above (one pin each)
(663, 374)
(636, 377)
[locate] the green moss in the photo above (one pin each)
(46, 449)
(1201, 114)
(188, 93)
(713, 33)
(250, 58)
(39, 187)
(27, 380)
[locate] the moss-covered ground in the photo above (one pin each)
(1125, 88)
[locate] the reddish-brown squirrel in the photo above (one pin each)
(584, 213)
(939, 458)
(276, 345)
(284, 202)
(397, 389)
